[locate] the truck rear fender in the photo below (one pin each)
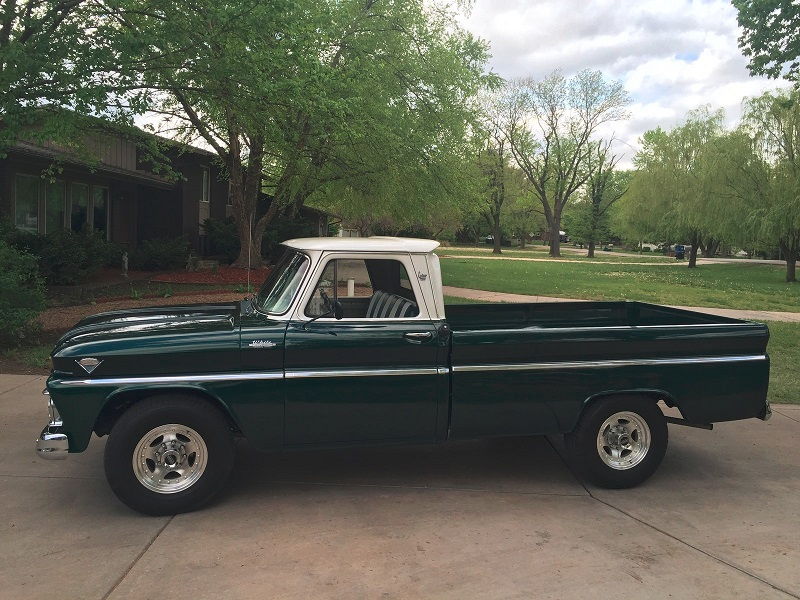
(654, 394)
(119, 400)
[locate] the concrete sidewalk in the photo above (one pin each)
(752, 315)
(499, 519)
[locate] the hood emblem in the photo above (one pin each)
(89, 364)
(262, 344)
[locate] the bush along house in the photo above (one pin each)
(112, 188)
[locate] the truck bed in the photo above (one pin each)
(519, 364)
(574, 314)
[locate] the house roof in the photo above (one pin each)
(376, 243)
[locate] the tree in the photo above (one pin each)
(770, 37)
(54, 70)
(340, 93)
(773, 177)
(493, 159)
(604, 188)
(678, 188)
(550, 125)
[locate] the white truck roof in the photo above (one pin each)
(375, 243)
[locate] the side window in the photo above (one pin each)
(365, 288)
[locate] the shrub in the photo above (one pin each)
(160, 255)
(64, 257)
(646, 249)
(223, 240)
(21, 294)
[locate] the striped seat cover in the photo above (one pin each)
(385, 305)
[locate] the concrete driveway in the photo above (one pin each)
(499, 519)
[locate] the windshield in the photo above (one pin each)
(279, 289)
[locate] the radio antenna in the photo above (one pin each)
(249, 250)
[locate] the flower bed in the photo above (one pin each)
(221, 276)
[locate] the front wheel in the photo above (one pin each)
(618, 442)
(169, 454)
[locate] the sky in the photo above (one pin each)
(671, 55)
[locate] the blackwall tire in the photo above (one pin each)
(619, 442)
(169, 454)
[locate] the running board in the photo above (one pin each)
(685, 423)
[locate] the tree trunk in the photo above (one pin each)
(555, 236)
(590, 254)
(791, 269)
(693, 257)
(496, 235)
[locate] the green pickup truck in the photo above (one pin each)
(349, 342)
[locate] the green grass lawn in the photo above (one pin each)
(784, 354)
(743, 286)
(566, 254)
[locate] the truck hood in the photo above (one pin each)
(156, 320)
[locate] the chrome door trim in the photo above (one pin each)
(211, 377)
(290, 374)
(605, 364)
(302, 373)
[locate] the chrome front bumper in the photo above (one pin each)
(52, 443)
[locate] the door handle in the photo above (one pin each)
(417, 337)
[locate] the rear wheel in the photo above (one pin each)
(169, 454)
(618, 442)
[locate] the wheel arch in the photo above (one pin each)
(654, 394)
(120, 400)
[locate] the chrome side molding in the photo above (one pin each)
(607, 364)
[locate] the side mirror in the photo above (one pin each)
(338, 310)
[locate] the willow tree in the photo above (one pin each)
(773, 120)
(296, 97)
(550, 125)
(677, 182)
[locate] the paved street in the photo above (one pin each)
(499, 519)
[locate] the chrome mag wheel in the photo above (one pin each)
(623, 440)
(170, 458)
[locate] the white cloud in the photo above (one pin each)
(672, 56)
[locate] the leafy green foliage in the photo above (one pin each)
(770, 36)
(681, 190)
(223, 239)
(55, 69)
(771, 172)
(164, 254)
(370, 98)
(21, 294)
(65, 257)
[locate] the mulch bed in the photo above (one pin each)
(220, 276)
(60, 318)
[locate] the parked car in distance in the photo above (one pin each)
(349, 342)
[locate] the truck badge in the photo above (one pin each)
(261, 344)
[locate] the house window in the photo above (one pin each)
(100, 209)
(55, 202)
(26, 203)
(79, 206)
(206, 194)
